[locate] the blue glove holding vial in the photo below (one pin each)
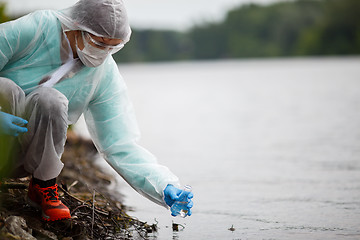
(178, 200)
(11, 125)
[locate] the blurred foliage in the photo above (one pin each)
(336, 32)
(3, 16)
(288, 28)
(151, 45)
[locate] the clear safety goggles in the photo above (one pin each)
(109, 48)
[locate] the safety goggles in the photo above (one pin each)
(109, 48)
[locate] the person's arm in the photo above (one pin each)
(19, 39)
(16, 38)
(111, 122)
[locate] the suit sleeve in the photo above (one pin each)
(111, 122)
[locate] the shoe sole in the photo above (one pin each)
(43, 215)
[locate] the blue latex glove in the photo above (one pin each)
(11, 125)
(171, 194)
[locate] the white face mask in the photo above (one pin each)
(91, 56)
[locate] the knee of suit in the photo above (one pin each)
(11, 95)
(49, 101)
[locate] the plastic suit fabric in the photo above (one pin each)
(32, 47)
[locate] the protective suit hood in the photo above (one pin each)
(104, 18)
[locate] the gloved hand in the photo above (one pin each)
(171, 195)
(11, 125)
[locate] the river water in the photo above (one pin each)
(270, 147)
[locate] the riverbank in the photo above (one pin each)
(83, 187)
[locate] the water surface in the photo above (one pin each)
(270, 147)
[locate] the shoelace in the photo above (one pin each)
(51, 193)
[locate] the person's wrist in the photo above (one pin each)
(167, 195)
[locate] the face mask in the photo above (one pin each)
(91, 56)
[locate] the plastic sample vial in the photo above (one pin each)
(180, 206)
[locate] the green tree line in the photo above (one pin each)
(288, 28)
(3, 16)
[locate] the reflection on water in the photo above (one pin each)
(270, 147)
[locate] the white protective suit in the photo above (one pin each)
(35, 46)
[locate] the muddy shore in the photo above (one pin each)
(83, 187)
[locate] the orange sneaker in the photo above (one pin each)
(47, 199)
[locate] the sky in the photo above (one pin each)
(150, 14)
